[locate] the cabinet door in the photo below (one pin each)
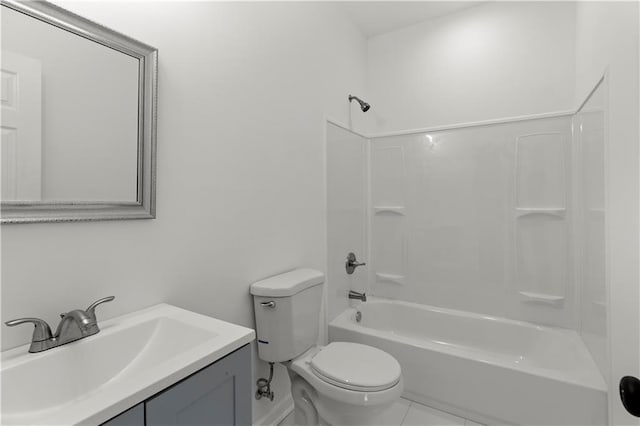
(132, 417)
(219, 394)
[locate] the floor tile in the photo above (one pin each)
(395, 414)
(287, 421)
(420, 415)
(407, 413)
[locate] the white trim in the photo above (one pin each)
(476, 123)
(369, 217)
(612, 395)
(463, 125)
(456, 125)
(452, 126)
(591, 92)
(344, 127)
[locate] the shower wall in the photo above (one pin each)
(346, 214)
(589, 218)
(476, 219)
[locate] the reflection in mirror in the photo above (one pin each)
(72, 89)
(78, 118)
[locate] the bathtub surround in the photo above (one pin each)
(600, 39)
(589, 218)
(476, 219)
(496, 219)
(346, 214)
(607, 42)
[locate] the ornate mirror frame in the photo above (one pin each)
(144, 206)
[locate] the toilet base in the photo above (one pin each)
(314, 409)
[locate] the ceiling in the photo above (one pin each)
(378, 17)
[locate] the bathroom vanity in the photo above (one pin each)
(216, 395)
(159, 366)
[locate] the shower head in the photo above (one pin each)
(363, 105)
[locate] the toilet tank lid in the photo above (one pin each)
(287, 284)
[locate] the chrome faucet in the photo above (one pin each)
(74, 325)
(358, 296)
(352, 263)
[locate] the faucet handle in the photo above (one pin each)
(91, 310)
(41, 332)
(352, 263)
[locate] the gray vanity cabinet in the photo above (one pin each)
(219, 394)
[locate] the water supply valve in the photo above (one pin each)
(264, 386)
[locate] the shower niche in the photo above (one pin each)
(540, 218)
(389, 242)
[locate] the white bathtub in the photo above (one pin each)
(491, 370)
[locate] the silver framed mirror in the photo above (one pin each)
(79, 106)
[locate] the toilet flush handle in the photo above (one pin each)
(269, 304)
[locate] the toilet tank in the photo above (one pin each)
(287, 308)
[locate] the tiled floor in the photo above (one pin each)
(408, 413)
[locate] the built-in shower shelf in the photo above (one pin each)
(399, 210)
(390, 278)
(542, 298)
(552, 211)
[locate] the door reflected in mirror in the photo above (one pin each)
(69, 115)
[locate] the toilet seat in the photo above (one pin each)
(356, 367)
(363, 397)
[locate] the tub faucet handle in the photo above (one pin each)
(352, 263)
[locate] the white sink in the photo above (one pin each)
(132, 358)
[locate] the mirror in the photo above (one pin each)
(78, 118)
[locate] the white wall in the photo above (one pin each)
(243, 88)
(495, 60)
(607, 41)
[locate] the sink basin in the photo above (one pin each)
(132, 358)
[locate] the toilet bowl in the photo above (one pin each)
(344, 383)
(338, 384)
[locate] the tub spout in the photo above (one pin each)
(357, 296)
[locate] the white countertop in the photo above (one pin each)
(132, 358)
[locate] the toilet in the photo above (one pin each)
(339, 384)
